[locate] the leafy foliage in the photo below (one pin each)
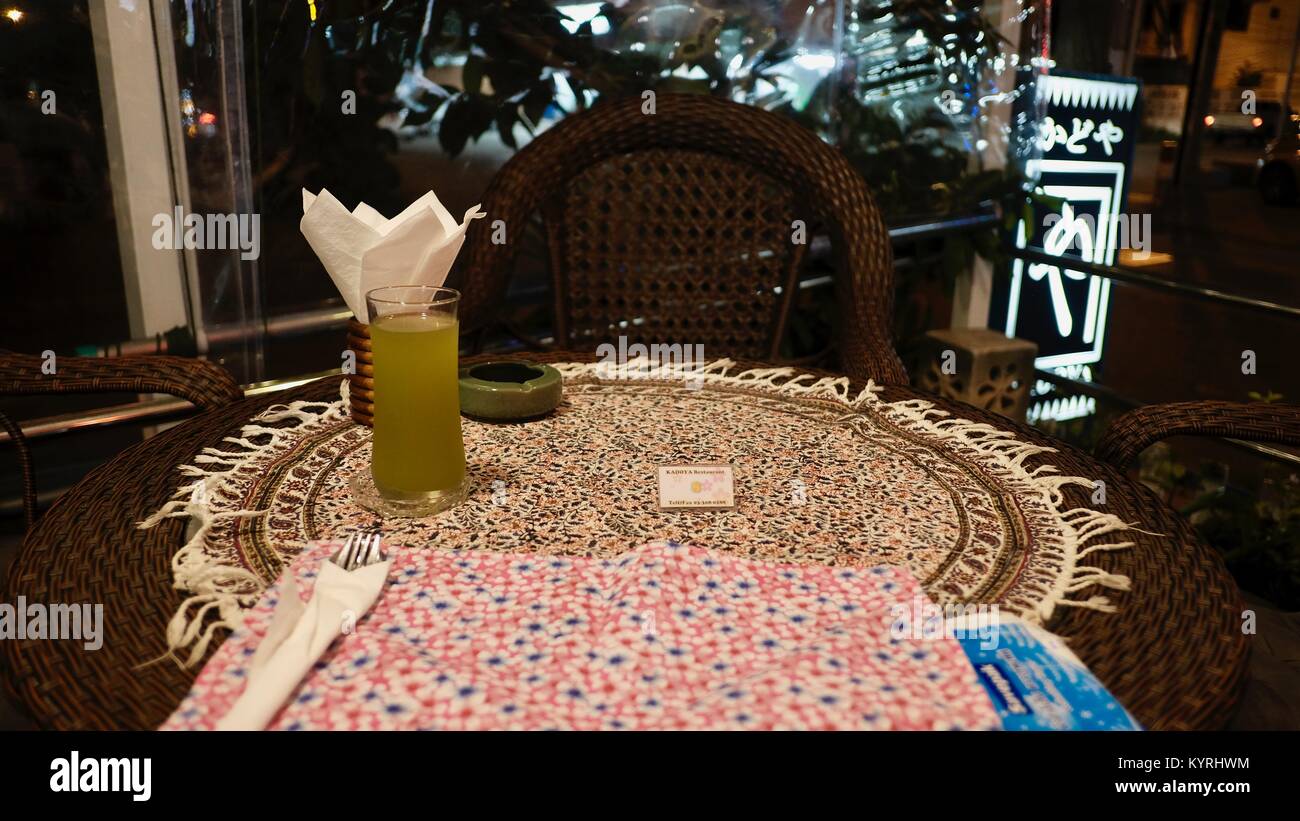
(521, 57)
(1255, 529)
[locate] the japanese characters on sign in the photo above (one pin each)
(1086, 140)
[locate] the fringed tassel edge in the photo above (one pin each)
(228, 591)
(1080, 527)
(211, 585)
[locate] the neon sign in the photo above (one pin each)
(1086, 142)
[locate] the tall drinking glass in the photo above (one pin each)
(418, 460)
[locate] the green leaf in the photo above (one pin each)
(454, 131)
(467, 115)
(506, 119)
(472, 74)
(418, 117)
(538, 99)
(510, 77)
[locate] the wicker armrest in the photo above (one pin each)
(205, 384)
(1138, 429)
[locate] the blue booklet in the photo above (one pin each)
(1036, 683)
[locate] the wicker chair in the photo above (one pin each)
(1136, 430)
(680, 227)
(207, 385)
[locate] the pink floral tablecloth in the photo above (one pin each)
(664, 637)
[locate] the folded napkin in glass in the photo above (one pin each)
(362, 250)
(665, 637)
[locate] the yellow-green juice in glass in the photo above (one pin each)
(418, 450)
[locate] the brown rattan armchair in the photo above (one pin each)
(205, 384)
(1135, 431)
(681, 226)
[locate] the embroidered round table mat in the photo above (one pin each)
(810, 487)
(1173, 653)
(821, 474)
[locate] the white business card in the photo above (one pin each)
(696, 487)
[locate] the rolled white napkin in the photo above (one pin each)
(297, 636)
(362, 250)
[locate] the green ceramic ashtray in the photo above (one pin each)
(507, 391)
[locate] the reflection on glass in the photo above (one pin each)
(56, 207)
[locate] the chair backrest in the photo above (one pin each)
(683, 226)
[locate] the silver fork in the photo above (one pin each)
(360, 550)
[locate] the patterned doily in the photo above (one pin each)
(821, 477)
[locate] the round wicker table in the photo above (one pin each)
(1172, 651)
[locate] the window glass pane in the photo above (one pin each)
(379, 102)
(59, 255)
